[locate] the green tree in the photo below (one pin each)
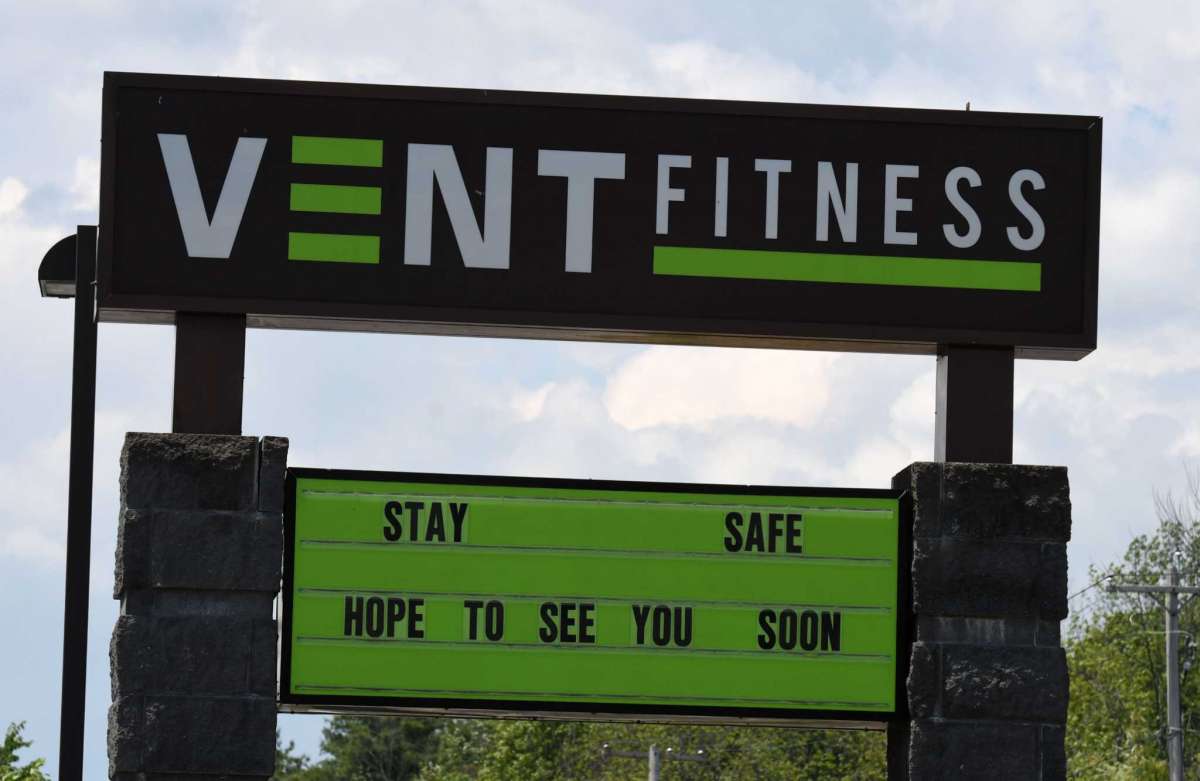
(289, 766)
(368, 749)
(545, 751)
(1116, 721)
(9, 769)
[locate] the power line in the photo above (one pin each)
(1086, 589)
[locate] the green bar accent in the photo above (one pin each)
(323, 150)
(333, 247)
(339, 198)
(848, 269)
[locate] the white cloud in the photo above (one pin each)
(701, 70)
(528, 405)
(912, 415)
(33, 483)
(876, 460)
(85, 186)
(1147, 242)
(697, 386)
(12, 194)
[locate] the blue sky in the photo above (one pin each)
(1125, 420)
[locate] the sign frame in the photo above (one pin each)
(857, 334)
(288, 702)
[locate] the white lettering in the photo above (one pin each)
(487, 248)
(974, 229)
(721, 199)
(667, 193)
(773, 168)
(893, 204)
(581, 170)
(846, 211)
(205, 239)
(1037, 231)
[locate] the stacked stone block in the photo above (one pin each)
(193, 653)
(987, 678)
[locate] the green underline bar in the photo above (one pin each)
(848, 269)
(333, 247)
(336, 198)
(324, 150)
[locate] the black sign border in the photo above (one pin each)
(288, 702)
(862, 337)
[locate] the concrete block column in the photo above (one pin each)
(198, 565)
(987, 681)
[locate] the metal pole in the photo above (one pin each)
(79, 510)
(653, 762)
(210, 360)
(1174, 720)
(974, 405)
(1171, 592)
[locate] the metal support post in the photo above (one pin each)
(974, 420)
(654, 757)
(79, 509)
(1171, 605)
(1174, 719)
(210, 360)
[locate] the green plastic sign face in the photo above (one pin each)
(607, 599)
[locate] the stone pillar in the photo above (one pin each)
(198, 565)
(987, 678)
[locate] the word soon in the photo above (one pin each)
(785, 629)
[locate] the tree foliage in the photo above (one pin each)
(1116, 722)
(288, 764)
(364, 749)
(477, 750)
(549, 751)
(14, 742)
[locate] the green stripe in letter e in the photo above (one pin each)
(335, 198)
(323, 150)
(333, 247)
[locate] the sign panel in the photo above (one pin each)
(589, 217)
(506, 595)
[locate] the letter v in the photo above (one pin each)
(205, 239)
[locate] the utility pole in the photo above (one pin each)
(654, 756)
(1172, 605)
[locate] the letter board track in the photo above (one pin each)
(355, 207)
(585, 598)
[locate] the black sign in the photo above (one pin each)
(588, 217)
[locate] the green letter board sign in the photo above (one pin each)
(626, 600)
